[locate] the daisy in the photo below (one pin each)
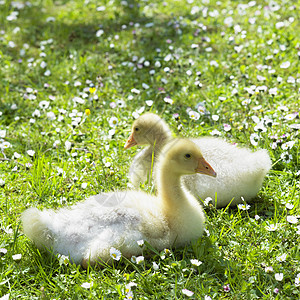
(279, 276)
(226, 288)
(286, 157)
(196, 262)
(227, 127)
(113, 122)
(282, 257)
(297, 280)
(243, 206)
(87, 285)
(268, 269)
(187, 292)
(30, 152)
(292, 219)
(254, 138)
(2, 182)
(168, 100)
(140, 259)
(44, 104)
(155, 266)
(149, 102)
(115, 253)
(285, 64)
(271, 227)
(17, 257)
(194, 115)
(140, 243)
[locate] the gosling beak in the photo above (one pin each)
(130, 142)
(205, 168)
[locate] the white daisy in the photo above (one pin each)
(115, 253)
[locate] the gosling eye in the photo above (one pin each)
(187, 156)
(136, 129)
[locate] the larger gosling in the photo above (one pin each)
(87, 231)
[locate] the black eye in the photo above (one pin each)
(136, 129)
(187, 156)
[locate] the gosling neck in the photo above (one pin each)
(160, 142)
(170, 189)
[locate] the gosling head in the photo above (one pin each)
(183, 157)
(148, 129)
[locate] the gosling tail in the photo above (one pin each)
(35, 227)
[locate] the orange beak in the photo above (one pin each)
(205, 168)
(130, 142)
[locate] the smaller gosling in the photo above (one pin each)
(240, 171)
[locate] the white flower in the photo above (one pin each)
(157, 64)
(30, 152)
(227, 127)
(207, 200)
(3, 251)
(279, 276)
(168, 100)
(215, 117)
(268, 269)
(140, 243)
(196, 262)
(282, 257)
(256, 217)
(87, 285)
(115, 253)
(285, 65)
(43, 64)
(113, 122)
(213, 63)
(254, 138)
(63, 259)
(215, 132)
(297, 280)
(84, 185)
(2, 133)
(289, 206)
(145, 86)
(135, 91)
(292, 219)
(140, 259)
(286, 157)
(155, 266)
(149, 102)
(207, 297)
(17, 257)
(187, 292)
(78, 100)
(51, 115)
(99, 32)
(44, 104)
(290, 117)
(68, 145)
(47, 73)
(2, 182)
(244, 206)
(194, 115)
(260, 78)
(271, 227)
(37, 113)
(5, 297)
(168, 57)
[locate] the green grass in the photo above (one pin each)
(237, 247)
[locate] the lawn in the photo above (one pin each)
(75, 74)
